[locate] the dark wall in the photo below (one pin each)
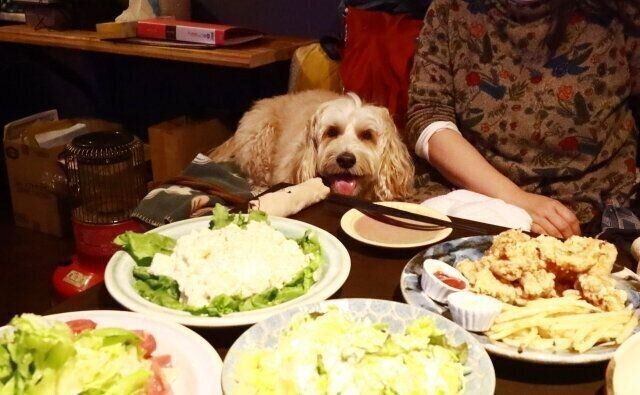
(139, 92)
(306, 18)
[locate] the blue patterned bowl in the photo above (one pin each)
(473, 248)
(480, 381)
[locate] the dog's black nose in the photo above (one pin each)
(346, 160)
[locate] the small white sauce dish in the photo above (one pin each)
(472, 311)
(433, 287)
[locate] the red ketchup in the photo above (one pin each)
(450, 281)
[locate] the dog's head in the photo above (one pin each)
(356, 150)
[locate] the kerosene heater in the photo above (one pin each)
(106, 180)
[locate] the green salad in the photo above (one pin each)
(202, 259)
(334, 353)
(45, 357)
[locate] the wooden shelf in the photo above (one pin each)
(12, 17)
(250, 55)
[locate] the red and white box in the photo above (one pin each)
(195, 32)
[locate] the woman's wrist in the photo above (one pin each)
(460, 162)
(512, 194)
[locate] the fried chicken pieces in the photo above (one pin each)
(518, 268)
(600, 291)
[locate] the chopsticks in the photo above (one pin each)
(401, 224)
(377, 210)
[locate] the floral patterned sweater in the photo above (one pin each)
(557, 125)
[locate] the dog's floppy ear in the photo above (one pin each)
(395, 178)
(305, 160)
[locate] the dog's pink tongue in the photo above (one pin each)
(344, 185)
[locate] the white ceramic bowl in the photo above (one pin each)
(480, 379)
(433, 287)
(196, 366)
(473, 312)
(121, 284)
(625, 367)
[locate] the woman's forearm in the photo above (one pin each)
(460, 163)
(463, 165)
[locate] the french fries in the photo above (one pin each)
(561, 324)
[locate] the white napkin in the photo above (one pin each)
(59, 137)
(477, 207)
(137, 11)
(635, 251)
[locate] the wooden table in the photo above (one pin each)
(251, 55)
(375, 273)
(27, 261)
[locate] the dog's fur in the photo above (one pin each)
(295, 137)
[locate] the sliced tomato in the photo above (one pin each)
(162, 360)
(78, 326)
(147, 342)
(157, 384)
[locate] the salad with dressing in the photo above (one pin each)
(239, 263)
(333, 353)
(39, 356)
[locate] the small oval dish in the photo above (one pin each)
(435, 283)
(371, 231)
(472, 311)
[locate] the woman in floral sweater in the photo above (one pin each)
(527, 101)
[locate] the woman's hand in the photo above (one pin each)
(549, 215)
(456, 159)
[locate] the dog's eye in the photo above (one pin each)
(332, 132)
(366, 135)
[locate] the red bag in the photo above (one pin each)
(377, 58)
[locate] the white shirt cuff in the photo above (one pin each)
(422, 145)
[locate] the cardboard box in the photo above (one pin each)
(174, 144)
(36, 179)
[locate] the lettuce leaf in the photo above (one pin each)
(143, 246)
(165, 291)
(222, 217)
(161, 290)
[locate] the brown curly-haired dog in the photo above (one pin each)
(353, 146)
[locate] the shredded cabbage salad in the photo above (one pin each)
(42, 356)
(334, 353)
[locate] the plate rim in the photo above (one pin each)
(504, 350)
(231, 353)
(610, 373)
(216, 362)
(353, 214)
(120, 292)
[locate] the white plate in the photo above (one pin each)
(480, 381)
(197, 367)
(473, 248)
(622, 372)
(349, 219)
(119, 278)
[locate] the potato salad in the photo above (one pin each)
(209, 263)
(239, 263)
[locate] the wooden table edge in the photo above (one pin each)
(248, 56)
